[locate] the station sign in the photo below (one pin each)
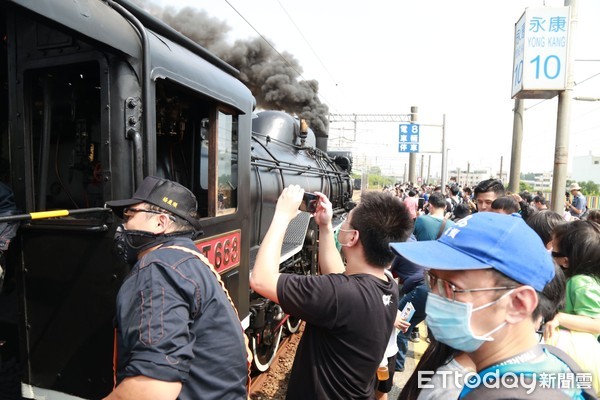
(541, 53)
(408, 138)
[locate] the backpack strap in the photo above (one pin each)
(588, 393)
(483, 392)
(442, 226)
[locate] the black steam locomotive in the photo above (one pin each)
(95, 96)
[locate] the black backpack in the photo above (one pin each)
(482, 392)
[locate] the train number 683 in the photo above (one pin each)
(223, 251)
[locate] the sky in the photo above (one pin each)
(451, 59)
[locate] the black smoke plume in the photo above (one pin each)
(272, 80)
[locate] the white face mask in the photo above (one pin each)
(450, 322)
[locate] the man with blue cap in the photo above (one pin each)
(486, 276)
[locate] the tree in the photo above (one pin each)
(375, 170)
(528, 176)
(590, 188)
(523, 186)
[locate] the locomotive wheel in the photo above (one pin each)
(293, 324)
(265, 348)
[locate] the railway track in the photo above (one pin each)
(272, 384)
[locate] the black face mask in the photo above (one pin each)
(128, 244)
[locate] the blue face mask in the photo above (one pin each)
(450, 322)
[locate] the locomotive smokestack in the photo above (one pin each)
(303, 132)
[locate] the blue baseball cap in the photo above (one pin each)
(486, 240)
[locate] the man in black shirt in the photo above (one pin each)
(349, 310)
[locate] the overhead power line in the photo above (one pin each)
(307, 43)
(270, 45)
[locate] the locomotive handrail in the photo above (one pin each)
(146, 98)
(296, 168)
(52, 214)
(281, 142)
(158, 26)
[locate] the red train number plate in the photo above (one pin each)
(223, 251)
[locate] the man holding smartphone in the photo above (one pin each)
(350, 309)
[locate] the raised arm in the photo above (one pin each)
(266, 268)
(330, 260)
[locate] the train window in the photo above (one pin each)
(197, 146)
(227, 164)
(65, 135)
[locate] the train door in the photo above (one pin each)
(198, 144)
(62, 276)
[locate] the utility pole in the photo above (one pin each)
(444, 153)
(561, 151)
(515, 158)
(428, 170)
(412, 157)
(468, 172)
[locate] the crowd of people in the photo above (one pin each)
(506, 287)
(571, 320)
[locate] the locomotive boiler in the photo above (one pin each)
(285, 151)
(94, 96)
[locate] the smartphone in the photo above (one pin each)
(309, 202)
(407, 312)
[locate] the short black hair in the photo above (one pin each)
(461, 210)
(490, 185)
(579, 241)
(525, 195)
(381, 218)
(540, 199)
(506, 203)
(437, 200)
(543, 223)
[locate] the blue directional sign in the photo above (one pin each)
(408, 147)
(408, 138)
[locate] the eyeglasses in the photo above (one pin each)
(344, 218)
(129, 212)
(540, 331)
(448, 290)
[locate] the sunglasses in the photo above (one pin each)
(130, 212)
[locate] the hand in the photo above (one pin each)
(517, 197)
(550, 329)
(324, 211)
(289, 201)
(401, 323)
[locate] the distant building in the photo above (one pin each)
(543, 182)
(472, 178)
(586, 168)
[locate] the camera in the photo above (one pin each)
(309, 202)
